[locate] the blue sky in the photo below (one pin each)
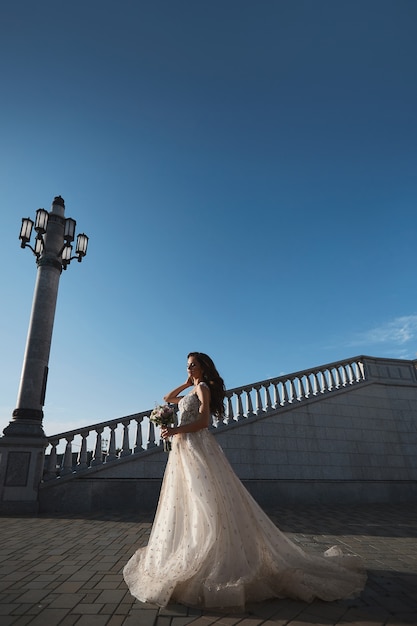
(246, 173)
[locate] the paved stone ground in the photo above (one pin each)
(67, 571)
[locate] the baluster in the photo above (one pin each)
(82, 461)
(98, 451)
(356, 371)
(259, 407)
(126, 450)
(329, 380)
(332, 382)
(138, 443)
(249, 405)
(230, 414)
(285, 396)
(324, 383)
(111, 452)
(350, 373)
(277, 400)
(268, 403)
(151, 436)
(361, 371)
(317, 387)
(337, 378)
(67, 460)
(307, 387)
(51, 469)
(343, 375)
(293, 393)
(301, 391)
(239, 407)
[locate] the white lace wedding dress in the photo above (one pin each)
(212, 546)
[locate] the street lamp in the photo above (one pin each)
(53, 251)
(23, 445)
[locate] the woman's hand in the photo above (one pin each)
(167, 431)
(173, 396)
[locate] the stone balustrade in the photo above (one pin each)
(116, 439)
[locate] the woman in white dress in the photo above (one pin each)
(211, 545)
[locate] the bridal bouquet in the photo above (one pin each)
(163, 415)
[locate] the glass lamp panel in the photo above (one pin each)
(82, 243)
(69, 231)
(41, 221)
(26, 230)
(38, 246)
(66, 254)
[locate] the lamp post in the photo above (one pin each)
(24, 440)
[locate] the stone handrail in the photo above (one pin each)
(136, 434)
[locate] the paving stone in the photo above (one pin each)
(91, 596)
(20, 621)
(124, 608)
(13, 575)
(116, 620)
(92, 620)
(66, 601)
(41, 584)
(86, 608)
(80, 576)
(202, 620)
(287, 609)
(69, 587)
(10, 598)
(164, 620)
(7, 609)
(142, 618)
(108, 609)
(108, 584)
(111, 595)
(49, 617)
(250, 621)
(230, 620)
(187, 620)
(33, 596)
(69, 620)
(90, 584)
(22, 609)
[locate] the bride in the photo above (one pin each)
(211, 545)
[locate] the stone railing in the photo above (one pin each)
(110, 441)
(271, 394)
(135, 434)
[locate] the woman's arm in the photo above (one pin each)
(203, 421)
(173, 396)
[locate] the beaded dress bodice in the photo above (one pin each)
(189, 407)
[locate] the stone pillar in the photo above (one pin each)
(23, 444)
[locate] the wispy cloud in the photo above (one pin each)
(398, 331)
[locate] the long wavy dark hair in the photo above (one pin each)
(214, 381)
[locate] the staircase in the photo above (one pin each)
(343, 430)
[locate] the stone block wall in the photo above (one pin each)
(367, 433)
